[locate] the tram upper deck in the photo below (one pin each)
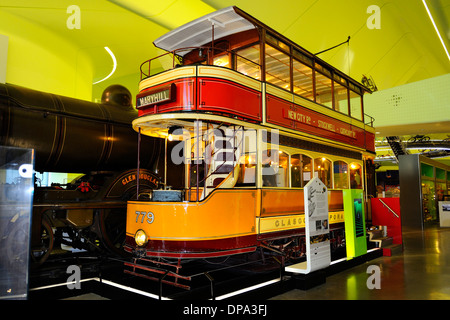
(229, 64)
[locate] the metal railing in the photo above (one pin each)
(389, 208)
(208, 54)
(368, 120)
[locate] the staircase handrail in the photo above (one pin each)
(393, 212)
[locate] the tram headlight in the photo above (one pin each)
(141, 238)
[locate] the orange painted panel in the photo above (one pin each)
(277, 202)
(224, 214)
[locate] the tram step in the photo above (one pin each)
(392, 249)
(375, 234)
(383, 242)
(379, 238)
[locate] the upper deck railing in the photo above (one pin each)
(176, 59)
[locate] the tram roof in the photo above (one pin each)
(227, 21)
(198, 32)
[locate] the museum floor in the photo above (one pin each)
(421, 272)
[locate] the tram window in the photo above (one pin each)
(355, 176)
(274, 168)
(340, 98)
(355, 105)
(283, 174)
(300, 170)
(322, 170)
(247, 159)
(340, 173)
(303, 80)
(247, 172)
(323, 90)
(247, 61)
(272, 39)
(222, 61)
(278, 68)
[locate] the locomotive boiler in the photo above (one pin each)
(75, 136)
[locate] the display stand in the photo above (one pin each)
(355, 226)
(444, 213)
(318, 255)
(16, 200)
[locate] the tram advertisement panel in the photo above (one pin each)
(317, 225)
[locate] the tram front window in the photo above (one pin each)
(222, 61)
(247, 61)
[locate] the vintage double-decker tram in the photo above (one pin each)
(249, 117)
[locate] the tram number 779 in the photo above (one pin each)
(149, 217)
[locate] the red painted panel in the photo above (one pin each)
(184, 98)
(370, 141)
(277, 109)
(292, 116)
(196, 248)
(229, 97)
(382, 216)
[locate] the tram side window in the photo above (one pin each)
(340, 172)
(247, 61)
(355, 176)
(355, 105)
(340, 98)
(247, 172)
(322, 170)
(274, 168)
(324, 90)
(300, 170)
(278, 68)
(303, 80)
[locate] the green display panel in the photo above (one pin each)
(355, 226)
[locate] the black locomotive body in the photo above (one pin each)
(75, 136)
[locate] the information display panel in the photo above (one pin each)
(16, 200)
(317, 228)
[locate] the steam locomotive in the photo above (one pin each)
(75, 136)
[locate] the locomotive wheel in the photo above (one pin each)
(41, 254)
(112, 228)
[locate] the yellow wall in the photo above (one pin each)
(41, 60)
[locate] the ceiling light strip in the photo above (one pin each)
(435, 28)
(114, 66)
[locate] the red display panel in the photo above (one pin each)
(382, 216)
